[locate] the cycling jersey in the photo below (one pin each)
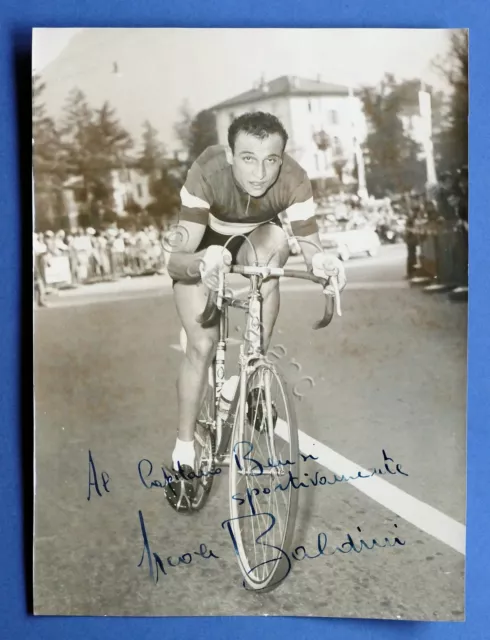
(211, 196)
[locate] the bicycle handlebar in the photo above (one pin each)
(210, 315)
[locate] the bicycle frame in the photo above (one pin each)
(253, 339)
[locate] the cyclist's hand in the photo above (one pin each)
(215, 259)
(327, 266)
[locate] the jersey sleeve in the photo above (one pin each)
(195, 197)
(301, 211)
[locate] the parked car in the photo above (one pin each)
(347, 242)
(392, 231)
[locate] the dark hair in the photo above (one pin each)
(258, 124)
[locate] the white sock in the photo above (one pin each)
(183, 453)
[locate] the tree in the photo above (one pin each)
(95, 144)
(76, 136)
(163, 187)
(47, 162)
(109, 143)
(152, 157)
(394, 162)
(453, 139)
(196, 133)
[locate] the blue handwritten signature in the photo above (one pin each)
(158, 564)
(300, 553)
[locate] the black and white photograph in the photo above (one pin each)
(250, 298)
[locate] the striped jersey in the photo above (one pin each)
(211, 196)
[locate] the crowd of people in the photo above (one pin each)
(437, 236)
(92, 255)
(432, 222)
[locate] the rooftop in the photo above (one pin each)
(286, 86)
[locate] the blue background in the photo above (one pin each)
(16, 20)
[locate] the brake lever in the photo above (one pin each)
(336, 295)
(332, 303)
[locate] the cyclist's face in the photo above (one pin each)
(256, 163)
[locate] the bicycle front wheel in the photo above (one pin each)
(264, 455)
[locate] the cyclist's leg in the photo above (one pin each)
(270, 243)
(190, 300)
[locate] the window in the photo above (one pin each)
(232, 116)
(337, 146)
(309, 106)
(317, 163)
(334, 116)
(139, 190)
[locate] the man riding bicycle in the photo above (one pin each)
(239, 189)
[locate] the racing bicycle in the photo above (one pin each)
(258, 437)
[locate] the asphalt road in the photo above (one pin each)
(390, 375)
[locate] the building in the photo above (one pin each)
(325, 122)
(129, 185)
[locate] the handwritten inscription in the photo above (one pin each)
(158, 565)
(300, 553)
(145, 471)
(245, 457)
(93, 481)
(243, 454)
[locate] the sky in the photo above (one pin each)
(48, 44)
(354, 52)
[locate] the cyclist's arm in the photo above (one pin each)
(183, 264)
(302, 218)
(184, 238)
(308, 250)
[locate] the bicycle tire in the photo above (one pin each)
(282, 564)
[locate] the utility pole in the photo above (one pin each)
(362, 191)
(425, 108)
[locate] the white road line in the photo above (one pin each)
(414, 511)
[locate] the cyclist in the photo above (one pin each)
(239, 189)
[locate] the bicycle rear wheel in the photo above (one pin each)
(264, 452)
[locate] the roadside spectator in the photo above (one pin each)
(411, 239)
(104, 262)
(117, 254)
(40, 255)
(60, 245)
(73, 257)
